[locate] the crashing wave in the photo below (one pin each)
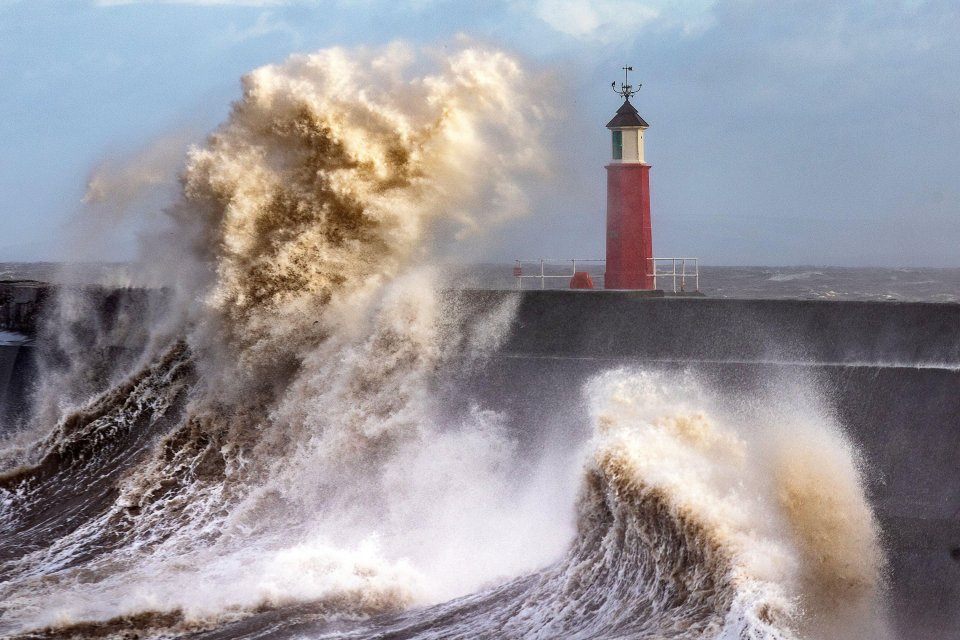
(297, 446)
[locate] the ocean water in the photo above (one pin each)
(312, 434)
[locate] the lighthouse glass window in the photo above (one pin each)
(617, 145)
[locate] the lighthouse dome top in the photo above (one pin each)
(627, 116)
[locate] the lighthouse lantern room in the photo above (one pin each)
(629, 263)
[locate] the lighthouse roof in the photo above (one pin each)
(627, 116)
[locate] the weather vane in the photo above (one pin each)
(626, 90)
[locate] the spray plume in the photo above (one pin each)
(291, 380)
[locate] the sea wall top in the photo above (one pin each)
(601, 324)
(621, 324)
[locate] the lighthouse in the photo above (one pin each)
(629, 235)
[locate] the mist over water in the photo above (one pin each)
(291, 427)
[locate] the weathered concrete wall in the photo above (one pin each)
(612, 324)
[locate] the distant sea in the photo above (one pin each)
(804, 282)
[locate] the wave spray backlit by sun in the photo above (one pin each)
(304, 376)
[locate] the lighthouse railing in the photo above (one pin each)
(552, 269)
(676, 274)
(676, 271)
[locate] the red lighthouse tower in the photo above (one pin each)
(629, 235)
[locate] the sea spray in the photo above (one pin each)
(819, 483)
(798, 547)
(683, 531)
(334, 172)
(309, 427)
(330, 174)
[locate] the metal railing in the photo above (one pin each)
(543, 276)
(677, 271)
(674, 274)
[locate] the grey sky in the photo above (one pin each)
(781, 132)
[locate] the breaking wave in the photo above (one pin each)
(286, 442)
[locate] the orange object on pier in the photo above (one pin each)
(581, 280)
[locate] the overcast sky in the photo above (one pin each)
(781, 133)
